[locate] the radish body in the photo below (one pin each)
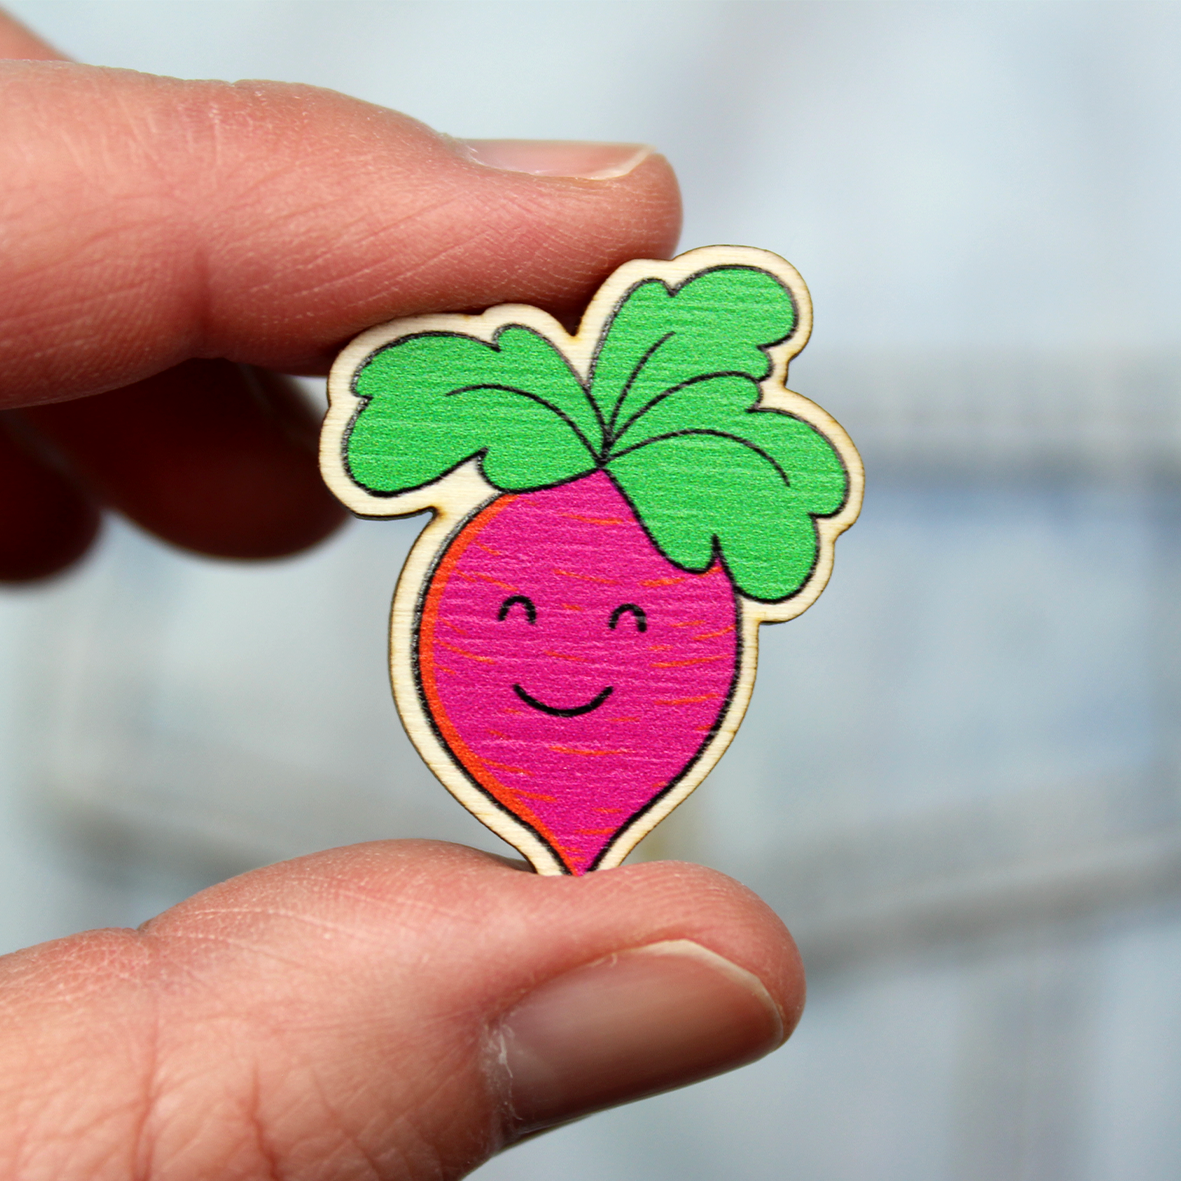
(571, 669)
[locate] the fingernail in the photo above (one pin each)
(639, 1022)
(556, 157)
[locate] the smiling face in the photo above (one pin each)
(573, 671)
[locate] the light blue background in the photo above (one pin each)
(958, 779)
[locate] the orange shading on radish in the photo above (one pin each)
(573, 636)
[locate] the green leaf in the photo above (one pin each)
(672, 414)
(707, 471)
(435, 400)
(726, 406)
(701, 492)
(719, 321)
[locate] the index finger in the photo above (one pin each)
(149, 220)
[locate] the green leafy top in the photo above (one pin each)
(669, 410)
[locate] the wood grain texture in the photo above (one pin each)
(534, 799)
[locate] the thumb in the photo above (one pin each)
(395, 1010)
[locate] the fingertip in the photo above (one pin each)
(659, 212)
(584, 229)
(723, 915)
(635, 1023)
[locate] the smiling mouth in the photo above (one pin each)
(573, 712)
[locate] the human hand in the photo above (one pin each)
(170, 244)
(399, 1010)
(396, 1010)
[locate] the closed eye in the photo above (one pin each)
(527, 603)
(638, 612)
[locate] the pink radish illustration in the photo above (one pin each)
(616, 512)
(603, 644)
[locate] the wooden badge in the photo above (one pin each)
(574, 634)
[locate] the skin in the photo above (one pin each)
(259, 222)
(329, 1017)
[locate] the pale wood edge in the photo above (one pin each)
(463, 491)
